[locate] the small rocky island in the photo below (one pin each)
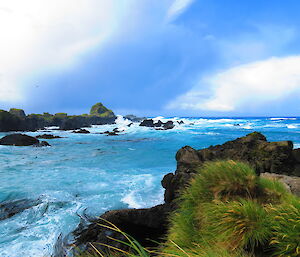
(17, 120)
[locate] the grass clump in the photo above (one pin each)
(227, 210)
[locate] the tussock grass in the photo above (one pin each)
(229, 211)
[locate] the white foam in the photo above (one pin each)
(131, 201)
(296, 145)
(290, 126)
(283, 118)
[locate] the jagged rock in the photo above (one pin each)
(274, 157)
(159, 125)
(47, 136)
(143, 224)
(81, 131)
(147, 123)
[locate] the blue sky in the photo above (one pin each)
(147, 57)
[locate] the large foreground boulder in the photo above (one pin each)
(263, 156)
(21, 140)
(147, 225)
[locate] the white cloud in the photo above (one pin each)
(42, 35)
(245, 85)
(178, 7)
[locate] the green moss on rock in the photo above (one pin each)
(100, 110)
(17, 112)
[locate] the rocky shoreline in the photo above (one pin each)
(276, 160)
(17, 120)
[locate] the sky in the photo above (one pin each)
(151, 57)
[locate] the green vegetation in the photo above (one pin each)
(17, 112)
(100, 110)
(229, 211)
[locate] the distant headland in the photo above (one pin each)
(17, 120)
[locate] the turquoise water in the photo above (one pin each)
(92, 173)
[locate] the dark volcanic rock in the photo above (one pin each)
(10, 122)
(168, 125)
(263, 156)
(21, 140)
(81, 131)
(147, 123)
(276, 157)
(143, 224)
(47, 136)
(159, 125)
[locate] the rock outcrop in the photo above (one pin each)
(264, 156)
(81, 131)
(276, 157)
(21, 140)
(159, 125)
(16, 119)
(48, 136)
(100, 110)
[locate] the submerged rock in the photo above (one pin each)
(21, 140)
(81, 131)
(13, 207)
(48, 136)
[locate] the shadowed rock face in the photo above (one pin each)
(276, 157)
(263, 156)
(143, 224)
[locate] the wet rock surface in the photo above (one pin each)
(159, 125)
(48, 136)
(11, 208)
(21, 140)
(81, 131)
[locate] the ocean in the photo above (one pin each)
(88, 174)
